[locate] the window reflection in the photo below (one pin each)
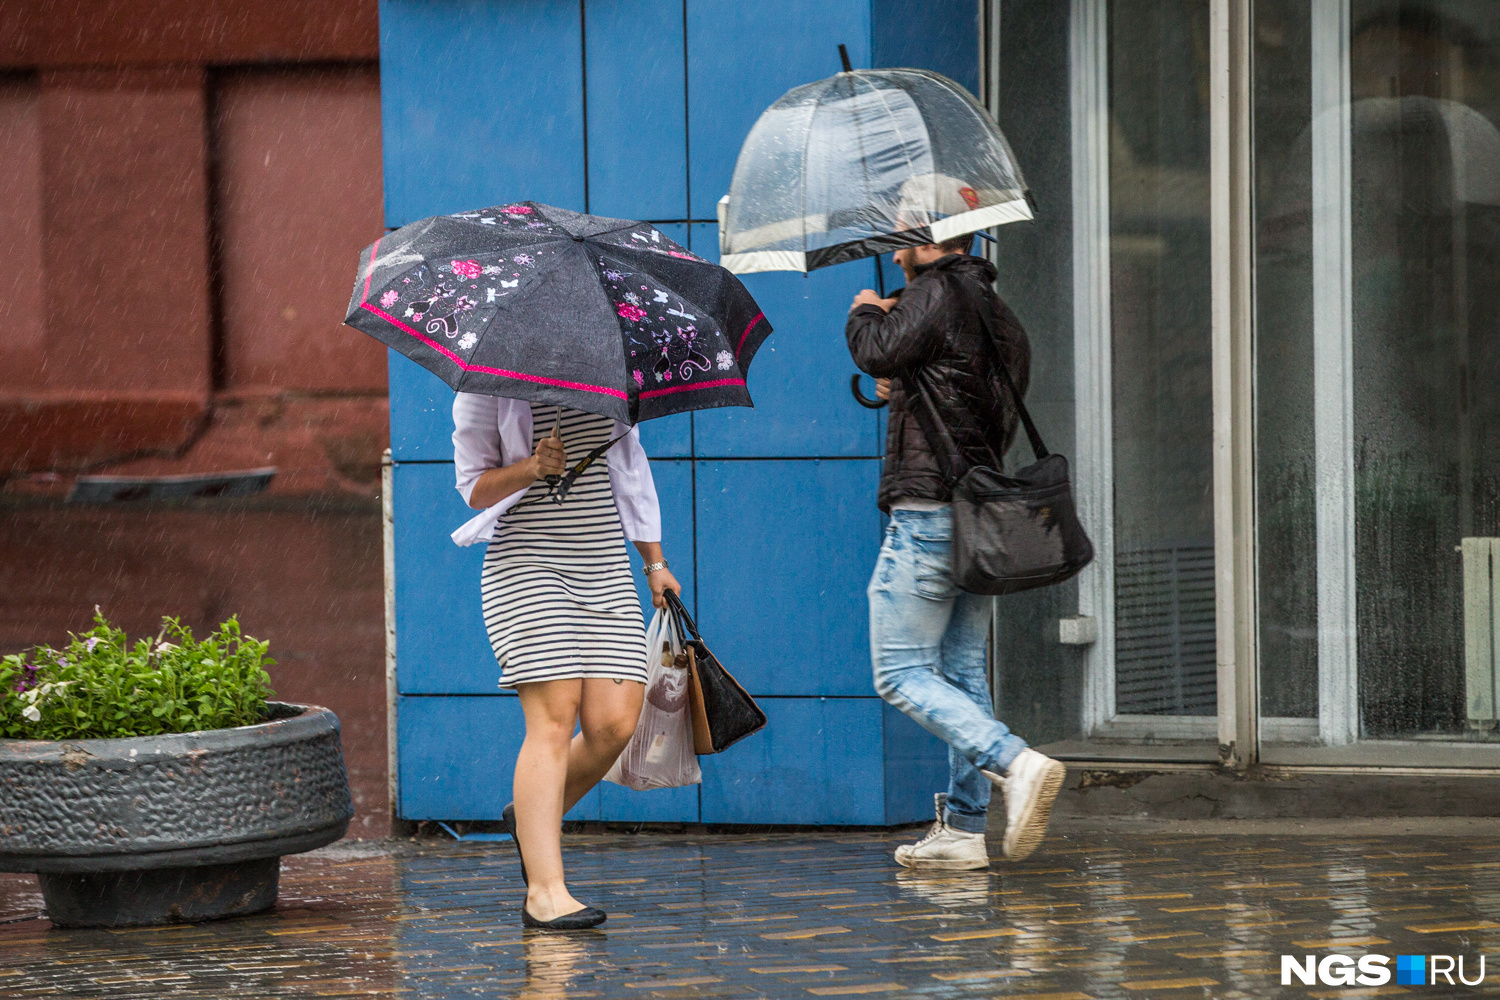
(1424, 198)
(1426, 182)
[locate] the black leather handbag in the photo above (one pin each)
(723, 713)
(1010, 533)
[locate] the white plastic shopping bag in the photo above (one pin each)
(660, 754)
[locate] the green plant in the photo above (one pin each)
(99, 686)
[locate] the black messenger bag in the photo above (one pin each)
(1010, 533)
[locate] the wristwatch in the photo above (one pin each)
(650, 568)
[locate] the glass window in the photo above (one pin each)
(1164, 661)
(1425, 85)
(1285, 453)
(1378, 286)
(1113, 282)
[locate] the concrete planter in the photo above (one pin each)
(178, 828)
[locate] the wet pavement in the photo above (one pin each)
(1097, 915)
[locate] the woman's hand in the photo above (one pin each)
(660, 582)
(549, 459)
(883, 388)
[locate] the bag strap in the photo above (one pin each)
(938, 437)
(1032, 435)
(680, 616)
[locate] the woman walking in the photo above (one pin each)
(560, 608)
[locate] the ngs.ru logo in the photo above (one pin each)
(1375, 970)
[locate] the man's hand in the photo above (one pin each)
(868, 297)
(550, 458)
(883, 388)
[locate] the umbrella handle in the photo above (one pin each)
(861, 399)
(554, 479)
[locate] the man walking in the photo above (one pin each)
(936, 358)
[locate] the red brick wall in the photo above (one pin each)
(99, 32)
(22, 300)
(299, 195)
(188, 184)
(141, 131)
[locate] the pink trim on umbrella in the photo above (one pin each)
(373, 251)
(523, 376)
(758, 317)
(716, 383)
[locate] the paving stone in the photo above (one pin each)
(1091, 917)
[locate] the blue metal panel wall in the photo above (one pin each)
(916, 766)
(940, 35)
(811, 764)
(637, 108)
(800, 378)
(421, 412)
(481, 103)
(785, 550)
(742, 55)
(441, 646)
(637, 126)
(457, 756)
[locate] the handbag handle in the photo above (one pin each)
(680, 616)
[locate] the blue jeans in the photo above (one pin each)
(927, 641)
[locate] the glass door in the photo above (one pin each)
(1377, 344)
(1143, 361)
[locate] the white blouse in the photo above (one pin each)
(491, 431)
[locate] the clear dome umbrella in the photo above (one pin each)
(864, 162)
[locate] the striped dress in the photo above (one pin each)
(559, 600)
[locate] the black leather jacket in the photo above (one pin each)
(933, 347)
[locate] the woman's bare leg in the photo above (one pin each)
(551, 710)
(607, 717)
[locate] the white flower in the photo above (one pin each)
(467, 341)
(725, 360)
(32, 713)
(41, 691)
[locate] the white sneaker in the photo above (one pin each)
(944, 847)
(1030, 786)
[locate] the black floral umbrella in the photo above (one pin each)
(552, 306)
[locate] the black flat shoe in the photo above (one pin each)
(578, 920)
(508, 817)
